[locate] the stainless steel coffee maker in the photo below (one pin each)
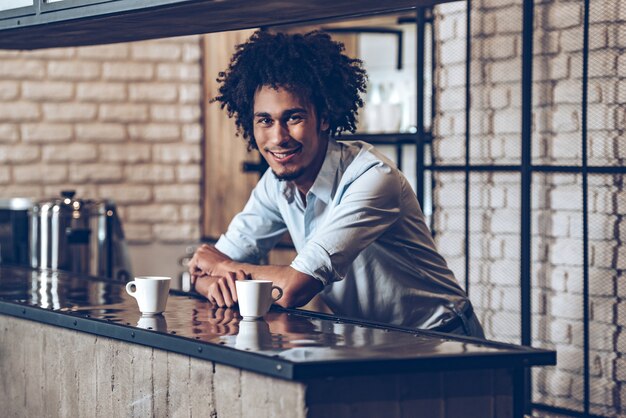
(82, 236)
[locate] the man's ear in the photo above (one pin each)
(324, 125)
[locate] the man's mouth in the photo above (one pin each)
(284, 155)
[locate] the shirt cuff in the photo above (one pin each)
(315, 261)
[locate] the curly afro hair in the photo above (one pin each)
(310, 65)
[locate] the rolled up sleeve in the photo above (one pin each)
(367, 208)
(256, 229)
(315, 261)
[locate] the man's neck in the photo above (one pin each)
(305, 185)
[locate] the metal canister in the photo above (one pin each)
(81, 236)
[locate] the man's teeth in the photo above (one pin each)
(284, 154)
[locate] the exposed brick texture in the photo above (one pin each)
(113, 121)
(557, 218)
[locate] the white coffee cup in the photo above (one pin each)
(151, 293)
(255, 297)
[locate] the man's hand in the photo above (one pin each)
(220, 291)
(212, 276)
(208, 261)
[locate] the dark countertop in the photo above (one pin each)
(291, 344)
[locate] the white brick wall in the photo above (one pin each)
(115, 121)
(557, 234)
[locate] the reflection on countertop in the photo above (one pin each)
(293, 335)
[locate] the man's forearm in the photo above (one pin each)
(298, 288)
(208, 265)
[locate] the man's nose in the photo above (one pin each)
(280, 133)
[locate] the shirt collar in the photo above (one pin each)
(323, 185)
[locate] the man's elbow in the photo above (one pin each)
(296, 296)
(293, 299)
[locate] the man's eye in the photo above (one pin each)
(294, 119)
(264, 121)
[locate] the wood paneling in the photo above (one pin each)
(57, 372)
(226, 187)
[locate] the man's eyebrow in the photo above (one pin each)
(287, 112)
(295, 110)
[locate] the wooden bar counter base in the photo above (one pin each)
(74, 347)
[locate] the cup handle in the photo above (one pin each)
(280, 293)
(129, 286)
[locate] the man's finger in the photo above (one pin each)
(211, 299)
(216, 292)
(223, 285)
(231, 279)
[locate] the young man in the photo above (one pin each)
(359, 232)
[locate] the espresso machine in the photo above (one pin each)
(78, 235)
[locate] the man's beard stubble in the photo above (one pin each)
(288, 176)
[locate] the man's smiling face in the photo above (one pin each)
(289, 135)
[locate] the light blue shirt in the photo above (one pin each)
(361, 233)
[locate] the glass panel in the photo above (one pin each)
(495, 75)
(449, 220)
(607, 88)
(14, 4)
(448, 127)
(494, 251)
(494, 245)
(557, 287)
(607, 265)
(557, 84)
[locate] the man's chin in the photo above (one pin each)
(288, 176)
